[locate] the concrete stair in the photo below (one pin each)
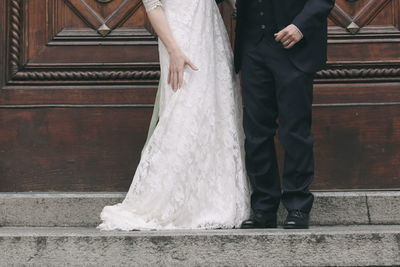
(57, 229)
(83, 209)
(319, 246)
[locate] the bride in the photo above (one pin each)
(191, 174)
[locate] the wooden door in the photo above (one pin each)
(77, 93)
(78, 79)
(357, 98)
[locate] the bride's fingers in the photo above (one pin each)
(176, 81)
(180, 82)
(171, 83)
(191, 65)
(173, 80)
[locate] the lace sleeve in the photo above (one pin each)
(151, 4)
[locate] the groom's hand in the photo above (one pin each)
(289, 36)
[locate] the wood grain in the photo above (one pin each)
(70, 149)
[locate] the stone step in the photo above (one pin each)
(371, 245)
(83, 209)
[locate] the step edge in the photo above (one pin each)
(90, 231)
(5, 195)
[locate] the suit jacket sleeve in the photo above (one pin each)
(313, 15)
(219, 1)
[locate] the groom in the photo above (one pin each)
(280, 45)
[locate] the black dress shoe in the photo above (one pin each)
(297, 219)
(260, 220)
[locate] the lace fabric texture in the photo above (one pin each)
(191, 174)
(151, 4)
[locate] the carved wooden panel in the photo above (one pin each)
(373, 16)
(81, 41)
(364, 38)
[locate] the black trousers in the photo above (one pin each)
(277, 97)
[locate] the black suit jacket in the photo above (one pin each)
(310, 16)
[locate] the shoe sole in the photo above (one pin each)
(295, 227)
(265, 227)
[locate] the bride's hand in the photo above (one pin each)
(178, 62)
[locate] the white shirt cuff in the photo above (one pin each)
(298, 31)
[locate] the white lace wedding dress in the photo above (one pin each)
(191, 174)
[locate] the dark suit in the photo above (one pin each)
(310, 16)
(277, 92)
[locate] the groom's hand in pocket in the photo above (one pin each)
(289, 36)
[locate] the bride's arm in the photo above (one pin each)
(178, 60)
